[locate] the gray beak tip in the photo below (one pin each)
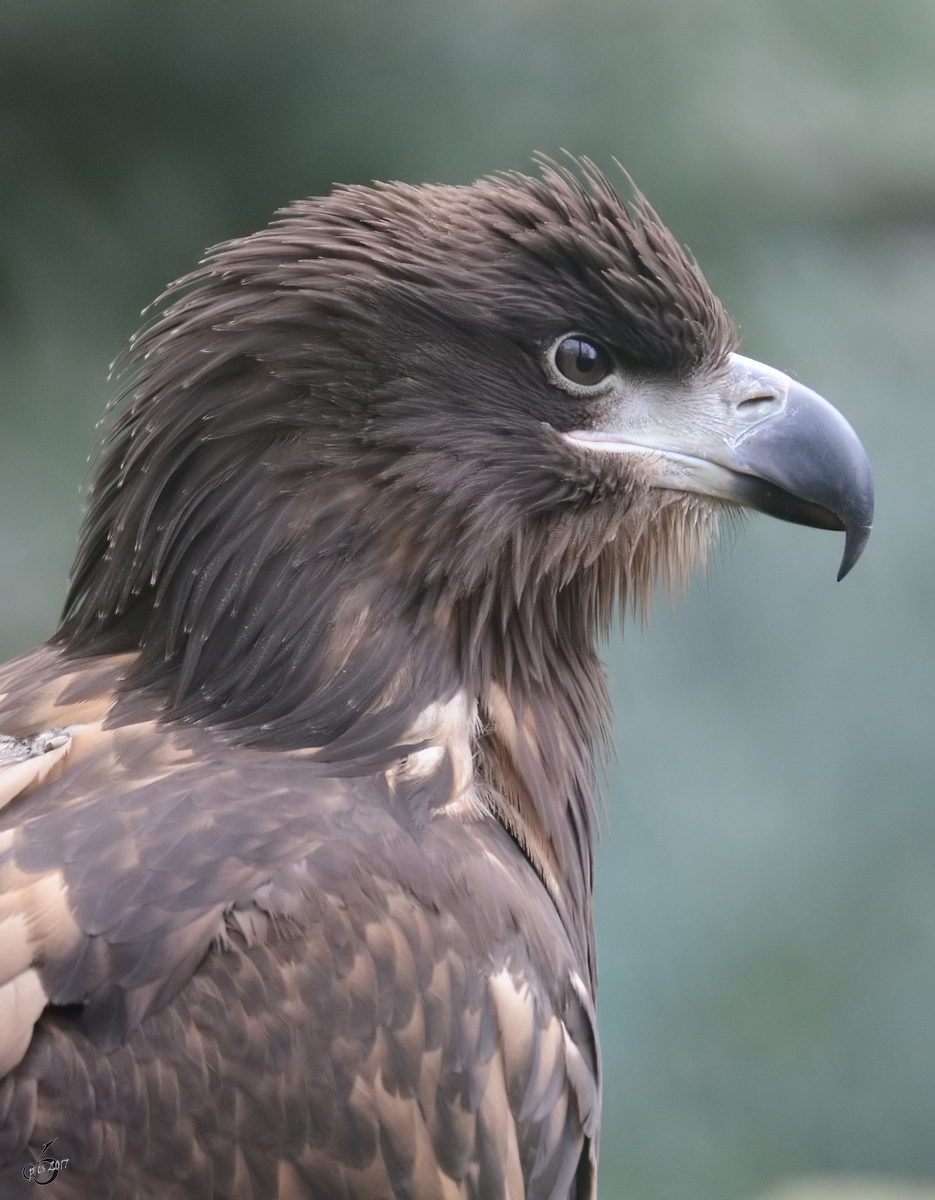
(855, 541)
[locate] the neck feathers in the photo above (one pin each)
(324, 619)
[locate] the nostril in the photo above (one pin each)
(757, 401)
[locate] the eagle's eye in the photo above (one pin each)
(581, 361)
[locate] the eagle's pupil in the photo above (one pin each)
(587, 357)
(581, 361)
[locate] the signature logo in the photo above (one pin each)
(45, 1168)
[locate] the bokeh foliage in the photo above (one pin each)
(766, 898)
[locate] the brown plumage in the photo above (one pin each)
(296, 868)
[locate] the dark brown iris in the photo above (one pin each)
(581, 361)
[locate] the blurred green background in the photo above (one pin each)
(766, 896)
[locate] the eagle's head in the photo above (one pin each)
(413, 439)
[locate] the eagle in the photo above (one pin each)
(297, 804)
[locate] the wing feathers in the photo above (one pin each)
(269, 960)
(21, 1002)
(501, 1172)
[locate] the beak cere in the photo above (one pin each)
(760, 440)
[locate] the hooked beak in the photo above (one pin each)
(760, 440)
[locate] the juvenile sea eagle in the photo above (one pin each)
(295, 807)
